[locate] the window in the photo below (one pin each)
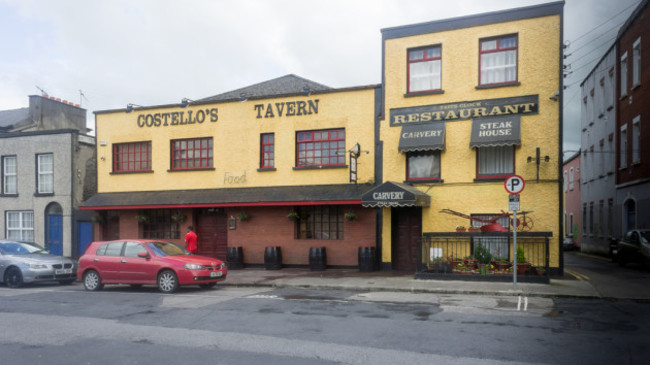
(624, 74)
(267, 158)
(321, 148)
(623, 144)
(571, 178)
(132, 157)
(498, 61)
(45, 168)
(9, 178)
(601, 157)
(423, 165)
(610, 217)
(636, 140)
(584, 219)
(132, 249)
(320, 222)
(424, 69)
(591, 218)
(110, 249)
(572, 230)
(495, 162)
(566, 181)
(159, 224)
(601, 216)
(193, 153)
(20, 226)
(636, 62)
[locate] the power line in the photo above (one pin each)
(603, 23)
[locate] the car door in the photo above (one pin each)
(107, 261)
(135, 269)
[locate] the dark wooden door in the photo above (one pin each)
(406, 232)
(212, 232)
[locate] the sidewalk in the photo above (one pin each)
(391, 281)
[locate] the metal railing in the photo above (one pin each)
(453, 252)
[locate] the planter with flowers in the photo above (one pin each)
(460, 228)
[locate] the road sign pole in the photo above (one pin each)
(514, 248)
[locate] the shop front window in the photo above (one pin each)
(158, 224)
(320, 222)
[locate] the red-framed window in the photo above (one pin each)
(498, 60)
(424, 69)
(192, 153)
(132, 157)
(320, 148)
(267, 157)
(495, 162)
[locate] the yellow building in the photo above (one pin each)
(389, 170)
(467, 103)
(263, 166)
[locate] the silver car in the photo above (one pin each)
(26, 262)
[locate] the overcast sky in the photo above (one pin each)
(152, 52)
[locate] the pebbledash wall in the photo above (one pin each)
(520, 111)
(432, 115)
(240, 179)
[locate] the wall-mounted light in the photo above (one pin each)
(130, 107)
(537, 159)
(356, 150)
(185, 102)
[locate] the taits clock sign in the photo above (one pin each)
(515, 184)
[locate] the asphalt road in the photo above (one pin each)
(50, 324)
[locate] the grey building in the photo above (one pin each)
(47, 168)
(598, 163)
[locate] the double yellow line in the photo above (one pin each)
(577, 275)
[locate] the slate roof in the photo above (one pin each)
(280, 195)
(285, 85)
(12, 117)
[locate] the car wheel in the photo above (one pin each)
(167, 282)
(14, 277)
(92, 281)
(66, 282)
(207, 285)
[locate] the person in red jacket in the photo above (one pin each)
(190, 240)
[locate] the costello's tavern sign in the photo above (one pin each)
(520, 105)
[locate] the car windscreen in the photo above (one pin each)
(166, 249)
(645, 236)
(20, 248)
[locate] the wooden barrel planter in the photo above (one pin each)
(235, 258)
(317, 258)
(273, 258)
(367, 258)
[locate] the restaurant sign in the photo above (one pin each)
(519, 105)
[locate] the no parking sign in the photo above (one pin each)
(514, 184)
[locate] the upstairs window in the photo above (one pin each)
(423, 165)
(320, 148)
(267, 158)
(193, 153)
(498, 61)
(623, 147)
(636, 140)
(45, 166)
(9, 178)
(424, 69)
(624, 74)
(132, 157)
(636, 62)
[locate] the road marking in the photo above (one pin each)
(577, 275)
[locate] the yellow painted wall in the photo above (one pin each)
(538, 74)
(236, 139)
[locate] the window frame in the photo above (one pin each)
(636, 140)
(159, 224)
(424, 59)
(267, 163)
(437, 158)
(498, 49)
(494, 176)
(6, 175)
(313, 140)
(42, 175)
(22, 228)
(116, 162)
(209, 159)
(623, 147)
(623, 73)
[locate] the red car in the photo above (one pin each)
(154, 262)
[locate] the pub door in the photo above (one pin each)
(406, 232)
(212, 232)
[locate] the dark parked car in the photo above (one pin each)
(26, 262)
(149, 262)
(634, 247)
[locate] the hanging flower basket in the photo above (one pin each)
(178, 217)
(243, 216)
(293, 216)
(350, 216)
(141, 218)
(97, 219)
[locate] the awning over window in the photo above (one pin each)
(496, 131)
(392, 194)
(422, 137)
